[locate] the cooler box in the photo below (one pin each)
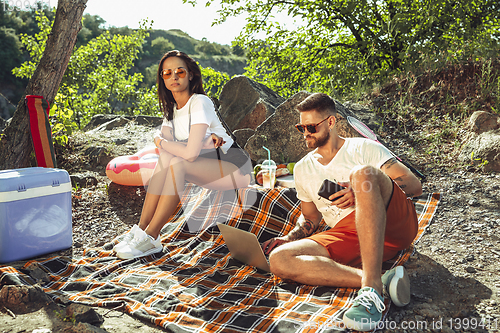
(35, 212)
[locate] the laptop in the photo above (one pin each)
(244, 246)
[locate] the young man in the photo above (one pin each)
(371, 219)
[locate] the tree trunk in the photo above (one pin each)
(16, 145)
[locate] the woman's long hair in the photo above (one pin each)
(165, 97)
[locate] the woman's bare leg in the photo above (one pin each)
(203, 172)
(155, 188)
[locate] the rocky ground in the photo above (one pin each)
(455, 271)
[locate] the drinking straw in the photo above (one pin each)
(268, 153)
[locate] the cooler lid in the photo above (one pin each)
(28, 178)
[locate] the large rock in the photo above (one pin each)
(98, 120)
(242, 135)
(482, 141)
(278, 132)
(482, 121)
(246, 104)
(84, 314)
(102, 122)
(114, 123)
(24, 299)
(357, 111)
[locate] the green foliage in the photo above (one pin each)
(213, 81)
(10, 52)
(96, 80)
(63, 120)
(179, 39)
(219, 57)
(35, 45)
(61, 314)
(211, 48)
(161, 45)
(91, 28)
(237, 50)
(22, 25)
(99, 72)
(477, 161)
(345, 44)
(150, 76)
(24, 21)
(13, 23)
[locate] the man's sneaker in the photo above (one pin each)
(397, 285)
(141, 245)
(366, 311)
(127, 237)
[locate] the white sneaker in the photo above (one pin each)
(141, 245)
(127, 238)
(397, 284)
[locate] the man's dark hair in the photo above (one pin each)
(319, 102)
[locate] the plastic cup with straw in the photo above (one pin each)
(268, 171)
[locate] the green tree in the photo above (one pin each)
(161, 45)
(150, 73)
(211, 48)
(96, 80)
(343, 43)
(10, 52)
(13, 23)
(24, 21)
(35, 45)
(91, 28)
(213, 81)
(15, 145)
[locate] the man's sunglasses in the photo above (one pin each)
(167, 73)
(310, 128)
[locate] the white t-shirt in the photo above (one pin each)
(202, 112)
(309, 173)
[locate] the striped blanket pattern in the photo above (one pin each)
(41, 133)
(194, 285)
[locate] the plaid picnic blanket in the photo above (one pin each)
(195, 285)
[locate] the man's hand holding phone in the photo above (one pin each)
(341, 194)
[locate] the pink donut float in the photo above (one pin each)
(133, 170)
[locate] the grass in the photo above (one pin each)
(429, 108)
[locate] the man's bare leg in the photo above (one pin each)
(372, 190)
(307, 262)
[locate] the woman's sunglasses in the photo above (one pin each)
(310, 128)
(167, 73)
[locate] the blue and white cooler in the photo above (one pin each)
(35, 212)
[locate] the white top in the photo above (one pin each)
(309, 173)
(202, 112)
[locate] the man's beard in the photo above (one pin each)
(318, 142)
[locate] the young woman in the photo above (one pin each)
(194, 146)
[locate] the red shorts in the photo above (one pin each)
(342, 242)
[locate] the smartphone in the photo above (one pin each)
(328, 188)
